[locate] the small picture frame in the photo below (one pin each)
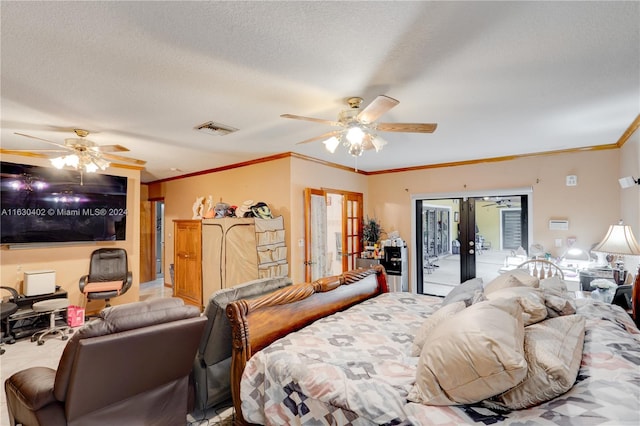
(456, 216)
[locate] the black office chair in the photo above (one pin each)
(109, 275)
(6, 310)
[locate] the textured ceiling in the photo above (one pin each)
(499, 78)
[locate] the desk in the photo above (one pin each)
(25, 321)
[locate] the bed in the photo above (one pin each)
(342, 350)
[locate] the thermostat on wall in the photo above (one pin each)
(558, 224)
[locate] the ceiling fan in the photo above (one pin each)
(358, 129)
(500, 203)
(81, 153)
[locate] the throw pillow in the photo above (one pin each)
(473, 355)
(554, 285)
(553, 350)
(530, 299)
(465, 292)
(507, 280)
(559, 305)
(430, 323)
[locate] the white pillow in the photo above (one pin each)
(471, 356)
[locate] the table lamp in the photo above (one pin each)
(619, 241)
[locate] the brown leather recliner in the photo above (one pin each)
(130, 366)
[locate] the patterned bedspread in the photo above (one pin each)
(355, 368)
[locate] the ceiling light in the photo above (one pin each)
(378, 143)
(355, 135)
(331, 144)
(355, 149)
(86, 161)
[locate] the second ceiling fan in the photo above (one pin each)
(81, 153)
(358, 129)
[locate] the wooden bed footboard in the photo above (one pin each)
(256, 323)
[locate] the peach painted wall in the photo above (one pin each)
(72, 261)
(268, 181)
(279, 183)
(590, 207)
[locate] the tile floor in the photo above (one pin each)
(24, 354)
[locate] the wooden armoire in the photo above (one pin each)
(212, 254)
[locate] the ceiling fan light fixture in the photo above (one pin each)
(85, 161)
(331, 144)
(355, 135)
(378, 143)
(90, 168)
(58, 162)
(101, 163)
(356, 149)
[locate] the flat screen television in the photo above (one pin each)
(49, 205)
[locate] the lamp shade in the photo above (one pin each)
(619, 240)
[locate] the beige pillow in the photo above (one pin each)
(475, 354)
(428, 325)
(526, 278)
(554, 285)
(531, 299)
(553, 350)
(559, 305)
(513, 278)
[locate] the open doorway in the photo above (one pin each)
(333, 226)
(159, 239)
(152, 264)
(460, 236)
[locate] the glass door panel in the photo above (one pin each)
(332, 232)
(461, 238)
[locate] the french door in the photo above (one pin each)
(462, 236)
(333, 229)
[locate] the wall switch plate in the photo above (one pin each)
(558, 242)
(572, 180)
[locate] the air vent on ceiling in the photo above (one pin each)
(215, 128)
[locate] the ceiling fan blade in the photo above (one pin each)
(315, 120)
(407, 127)
(375, 109)
(110, 148)
(121, 159)
(34, 152)
(43, 140)
(322, 136)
